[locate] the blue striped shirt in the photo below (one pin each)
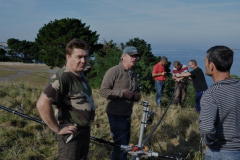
(219, 120)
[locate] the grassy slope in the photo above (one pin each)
(25, 139)
(36, 78)
(6, 73)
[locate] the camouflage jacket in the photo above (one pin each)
(72, 95)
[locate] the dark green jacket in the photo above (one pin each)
(115, 81)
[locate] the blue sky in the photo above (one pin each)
(198, 24)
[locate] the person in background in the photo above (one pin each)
(68, 89)
(219, 120)
(181, 91)
(198, 79)
(120, 87)
(159, 75)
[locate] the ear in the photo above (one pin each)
(67, 56)
(212, 67)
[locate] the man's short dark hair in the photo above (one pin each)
(221, 57)
(76, 43)
(163, 58)
(194, 62)
(176, 63)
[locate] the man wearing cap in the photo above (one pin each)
(159, 75)
(120, 87)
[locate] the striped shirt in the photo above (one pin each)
(219, 120)
(183, 69)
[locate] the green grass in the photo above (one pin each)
(37, 78)
(7, 73)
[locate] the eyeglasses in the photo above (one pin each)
(134, 56)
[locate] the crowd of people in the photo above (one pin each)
(68, 89)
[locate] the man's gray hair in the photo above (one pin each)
(163, 58)
(176, 63)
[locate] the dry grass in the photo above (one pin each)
(7, 73)
(36, 78)
(25, 139)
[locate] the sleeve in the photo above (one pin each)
(154, 69)
(207, 119)
(107, 86)
(55, 89)
(185, 69)
(193, 73)
(174, 71)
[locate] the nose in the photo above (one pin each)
(83, 59)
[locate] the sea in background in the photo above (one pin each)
(185, 55)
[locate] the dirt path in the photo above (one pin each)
(22, 72)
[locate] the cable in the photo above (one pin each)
(145, 141)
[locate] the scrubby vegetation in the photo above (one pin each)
(25, 139)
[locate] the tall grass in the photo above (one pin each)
(24, 139)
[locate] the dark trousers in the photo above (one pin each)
(120, 130)
(198, 98)
(180, 93)
(75, 149)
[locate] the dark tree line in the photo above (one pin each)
(51, 40)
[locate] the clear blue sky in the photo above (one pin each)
(162, 23)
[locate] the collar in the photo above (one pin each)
(228, 81)
(68, 70)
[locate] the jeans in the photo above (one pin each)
(213, 154)
(159, 89)
(120, 130)
(198, 98)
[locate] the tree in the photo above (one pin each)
(107, 57)
(54, 36)
(3, 55)
(32, 50)
(145, 64)
(23, 49)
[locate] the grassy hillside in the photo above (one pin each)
(25, 139)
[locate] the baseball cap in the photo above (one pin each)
(130, 50)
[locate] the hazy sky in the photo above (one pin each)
(162, 23)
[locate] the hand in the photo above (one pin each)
(206, 147)
(164, 73)
(128, 94)
(178, 75)
(178, 79)
(67, 129)
(137, 96)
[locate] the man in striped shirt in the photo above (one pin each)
(219, 120)
(181, 91)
